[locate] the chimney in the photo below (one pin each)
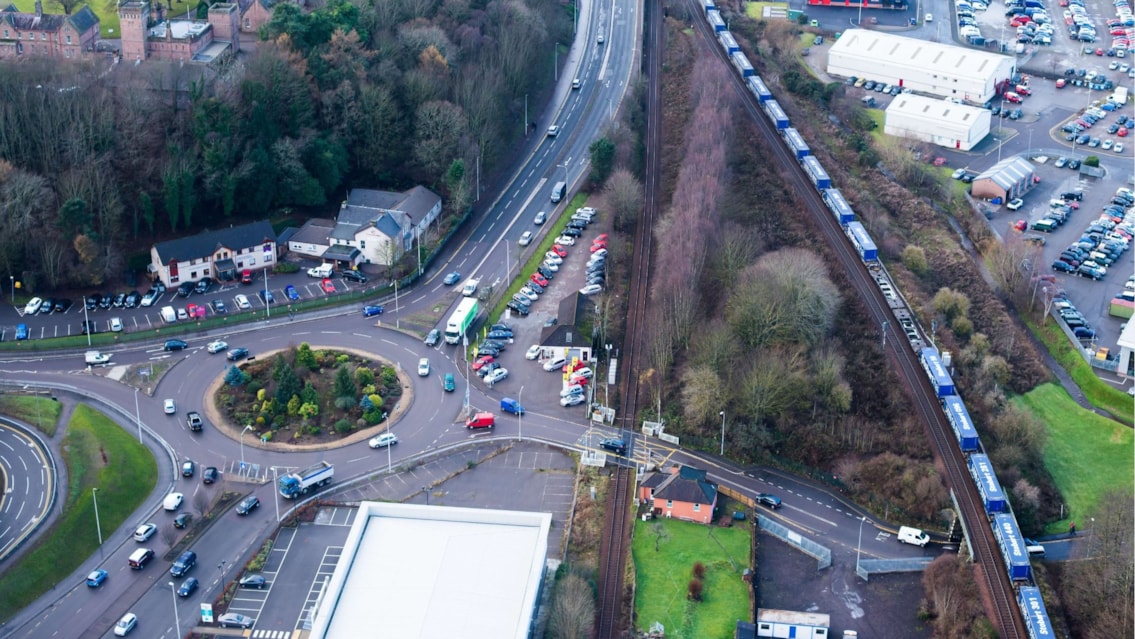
(39, 8)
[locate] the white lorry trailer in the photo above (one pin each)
(306, 480)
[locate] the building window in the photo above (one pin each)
(697, 508)
(363, 244)
(669, 504)
(68, 38)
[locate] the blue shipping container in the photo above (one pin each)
(991, 493)
(744, 67)
(816, 172)
(715, 21)
(758, 89)
(728, 42)
(776, 114)
(939, 378)
(709, 6)
(1012, 546)
(1036, 615)
(839, 206)
(963, 425)
(796, 143)
(862, 242)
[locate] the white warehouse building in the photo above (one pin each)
(937, 121)
(926, 67)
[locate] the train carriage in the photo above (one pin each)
(758, 89)
(939, 377)
(839, 207)
(816, 172)
(1036, 615)
(1012, 546)
(709, 6)
(742, 64)
(728, 42)
(962, 424)
(796, 143)
(992, 496)
(861, 240)
(715, 21)
(775, 114)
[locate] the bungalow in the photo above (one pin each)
(219, 254)
(683, 493)
(571, 335)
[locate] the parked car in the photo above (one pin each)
(354, 276)
(291, 292)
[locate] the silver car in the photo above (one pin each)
(233, 619)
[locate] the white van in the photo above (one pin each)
(322, 271)
(913, 536)
(169, 314)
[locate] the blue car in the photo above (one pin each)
(452, 278)
(371, 311)
(95, 579)
(21, 331)
(291, 292)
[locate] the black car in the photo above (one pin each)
(203, 286)
(546, 272)
(47, 306)
(354, 276)
(571, 231)
(267, 297)
(219, 306)
(433, 337)
(187, 587)
(247, 504)
(105, 301)
(500, 335)
(62, 305)
(182, 520)
(1063, 267)
(518, 309)
(487, 368)
(133, 298)
(577, 224)
(119, 300)
(253, 581)
(237, 354)
(1072, 195)
(765, 499)
(175, 345)
(536, 287)
(1074, 165)
(497, 344)
(501, 327)
(551, 321)
(596, 279)
(615, 445)
(185, 289)
(91, 302)
(89, 327)
(488, 350)
(209, 475)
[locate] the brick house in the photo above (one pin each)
(39, 33)
(147, 32)
(682, 493)
(221, 254)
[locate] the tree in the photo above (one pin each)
(951, 596)
(602, 153)
(703, 395)
(234, 377)
(438, 129)
(1099, 587)
(624, 196)
(306, 358)
(287, 387)
(573, 609)
(344, 385)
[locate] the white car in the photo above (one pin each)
(533, 352)
(182, 314)
(383, 440)
(423, 367)
(144, 532)
(591, 289)
(497, 375)
(583, 373)
(553, 258)
(599, 253)
(565, 240)
(216, 347)
(125, 624)
(572, 400)
(116, 324)
(529, 293)
(525, 238)
(34, 304)
(169, 407)
(173, 501)
(553, 131)
(1118, 148)
(574, 389)
(929, 18)
(551, 266)
(554, 364)
(242, 303)
(1015, 204)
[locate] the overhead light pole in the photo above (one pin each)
(246, 429)
(859, 546)
(138, 415)
(722, 413)
(176, 617)
(520, 415)
(427, 493)
(98, 525)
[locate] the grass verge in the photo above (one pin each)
(1086, 454)
(41, 412)
(1099, 393)
(98, 454)
(664, 574)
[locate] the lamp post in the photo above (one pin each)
(98, 525)
(267, 306)
(427, 493)
(137, 416)
(859, 546)
(12, 279)
(520, 415)
(176, 617)
(722, 413)
(246, 429)
(86, 323)
(607, 380)
(276, 493)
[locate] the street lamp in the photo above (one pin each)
(176, 617)
(722, 413)
(12, 278)
(427, 492)
(520, 415)
(607, 380)
(859, 547)
(98, 525)
(246, 429)
(221, 570)
(137, 416)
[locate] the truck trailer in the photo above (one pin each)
(304, 481)
(461, 320)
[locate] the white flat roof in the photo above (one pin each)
(435, 572)
(935, 111)
(925, 57)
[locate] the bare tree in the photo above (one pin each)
(703, 395)
(624, 197)
(573, 609)
(201, 503)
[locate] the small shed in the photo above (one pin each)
(789, 623)
(1007, 179)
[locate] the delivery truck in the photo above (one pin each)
(306, 480)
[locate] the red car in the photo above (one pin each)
(1020, 225)
(327, 285)
(539, 279)
(559, 250)
(601, 236)
(1122, 132)
(598, 246)
(482, 361)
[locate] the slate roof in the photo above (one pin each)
(688, 485)
(314, 231)
(81, 20)
(202, 245)
(415, 203)
(566, 333)
(245, 5)
(652, 480)
(1008, 172)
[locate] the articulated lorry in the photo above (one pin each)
(461, 320)
(304, 481)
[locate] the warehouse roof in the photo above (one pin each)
(419, 571)
(918, 55)
(1008, 172)
(934, 112)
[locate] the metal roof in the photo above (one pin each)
(1008, 172)
(919, 55)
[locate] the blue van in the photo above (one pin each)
(510, 405)
(21, 331)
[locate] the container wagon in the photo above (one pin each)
(839, 206)
(1012, 546)
(744, 67)
(936, 372)
(1036, 616)
(862, 242)
(962, 423)
(715, 21)
(796, 143)
(758, 89)
(775, 114)
(728, 42)
(992, 496)
(816, 172)
(709, 6)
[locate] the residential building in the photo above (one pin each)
(256, 13)
(154, 35)
(47, 34)
(571, 335)
(683, 493)
(221, 254)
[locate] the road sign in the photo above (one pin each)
(206, 613)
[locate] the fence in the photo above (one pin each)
(808, 547)
(868, 567)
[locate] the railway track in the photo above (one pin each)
(616, 534)
(1005, 615)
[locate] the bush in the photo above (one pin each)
(914, 257)
(343, 426)
(1092, 160)
(695, 590)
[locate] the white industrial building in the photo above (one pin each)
(926, 67)
(428, 572)
(937, 121)
(1126, 345)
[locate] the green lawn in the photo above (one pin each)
(1086, 454)
(662, 577)
(41, 412)
(1097, 391)
(98, 454)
